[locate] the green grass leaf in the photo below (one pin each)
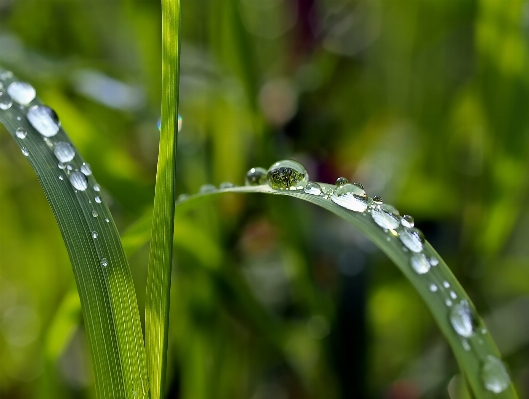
(162, 231)
(102, 274)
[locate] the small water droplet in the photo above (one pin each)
(94, 213)
(61, 166)
(97, 199)
(22, 92)
(287, 175)
(69, 167)
(448, 302)
(453, 295)
(5, 101)
(6, 75)
(25, 151)
(225, 185)
(60, 177)
(407, 221)
(312, 188)
(19, 118)
(433, 287)
(434, 261)
(21, 133)
(44, 120)
(386, 216)
(107, 220)
(463, 319)
(78, 181)
(94, 234)
(465, 344)
(207, 188)
(350, 196)
(182, 197)
(420, 263)
(64, 151)
(446, 284)
(494, 375)
(256, 177)
(104, 262)
(341, 181)
(483, 331)
(377, 199)
(97, 187)
(86, 169)
(412, 238)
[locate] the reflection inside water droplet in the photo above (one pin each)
(256, 177)
(341, 181)
(287, 175)
(407, 221)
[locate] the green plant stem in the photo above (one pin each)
(162, 230)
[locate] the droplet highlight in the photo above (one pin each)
(44, 120)
(21, 92)
(287, 175)
(341, 181)
(64, 151)
(207, 188)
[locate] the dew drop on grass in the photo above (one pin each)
(97, 199)
(21, 92)
(86, 169)
(104, 262)
(97, 187)
(494, 375)
(226, 184)
(5, 101)
(433, 288)
(465, 344)
(341, 181)
(407, 221)
(377, 199)
(78, 181)
(107, 220)
(207, 188)
(448, 302)
(21, 133)
(462, 319)
(350, 196)
(453, 295)
(25, 151)
(434, 261)
(287, 175)
(182, 197)
(94, 234)
(386, 216)
(6, 75)
(60, 177)
(256, 177)
(412, 238)
(446, 284)
(94, 213)
(420, 263)
(44, 120)
(64, 151)
(312, 189)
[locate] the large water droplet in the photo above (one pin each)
(312, 188)
(420, 263)
(287, 175)
(407, 221)
(64, 151)
(86, 169)
(463, 319)
(44, 119)
(78, 181)
(25, 151)
(494, 375)
(256, 177)
(386, 216)
(22, 92)
(226, 184)
(350, 196)
(412, 238)
(341, 181)
(21, 133)
(207, 188)
(5, 101)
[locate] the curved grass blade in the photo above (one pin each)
(101, 270)
(438, 287)
(162, 231)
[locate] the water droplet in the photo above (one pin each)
(351, 197)
(434, 261)
(483, 331)
(86, 169)
(97, 199)
(341, 181)
(107, 220)
(494, 375)
(61, 166)
(180, 122)
(287, 175)
(22, 92)
(5, 100)
(226, 184)
(453, 295)
(412, 238)
(465, 344)
(44, 120)
(104, 262)
(377, 199)
(256, 177)
(94, 234)
(97, 187)
(159, 124)
(312, 189)
(463, 319)
(25, 151)
(182, 197)
(446, 284)
(19, 118)
(419, 263)
(64, 151)
(69, 167)
(433, 287)
(94, 213)
(448, 302)
(60, 177)
(386, 216)
(78, 181)
(407, 221)
(21, 133)
(6, 75)
(207, 188)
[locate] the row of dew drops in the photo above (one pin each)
(289, 175)
(46, 122)
(286, 175)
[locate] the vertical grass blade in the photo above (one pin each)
(161, 250)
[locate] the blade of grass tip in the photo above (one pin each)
(162, 230)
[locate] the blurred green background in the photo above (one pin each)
(424, 102)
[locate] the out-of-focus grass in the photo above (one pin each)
(423, 102)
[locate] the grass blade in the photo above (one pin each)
(103, 278)
(161, 250)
